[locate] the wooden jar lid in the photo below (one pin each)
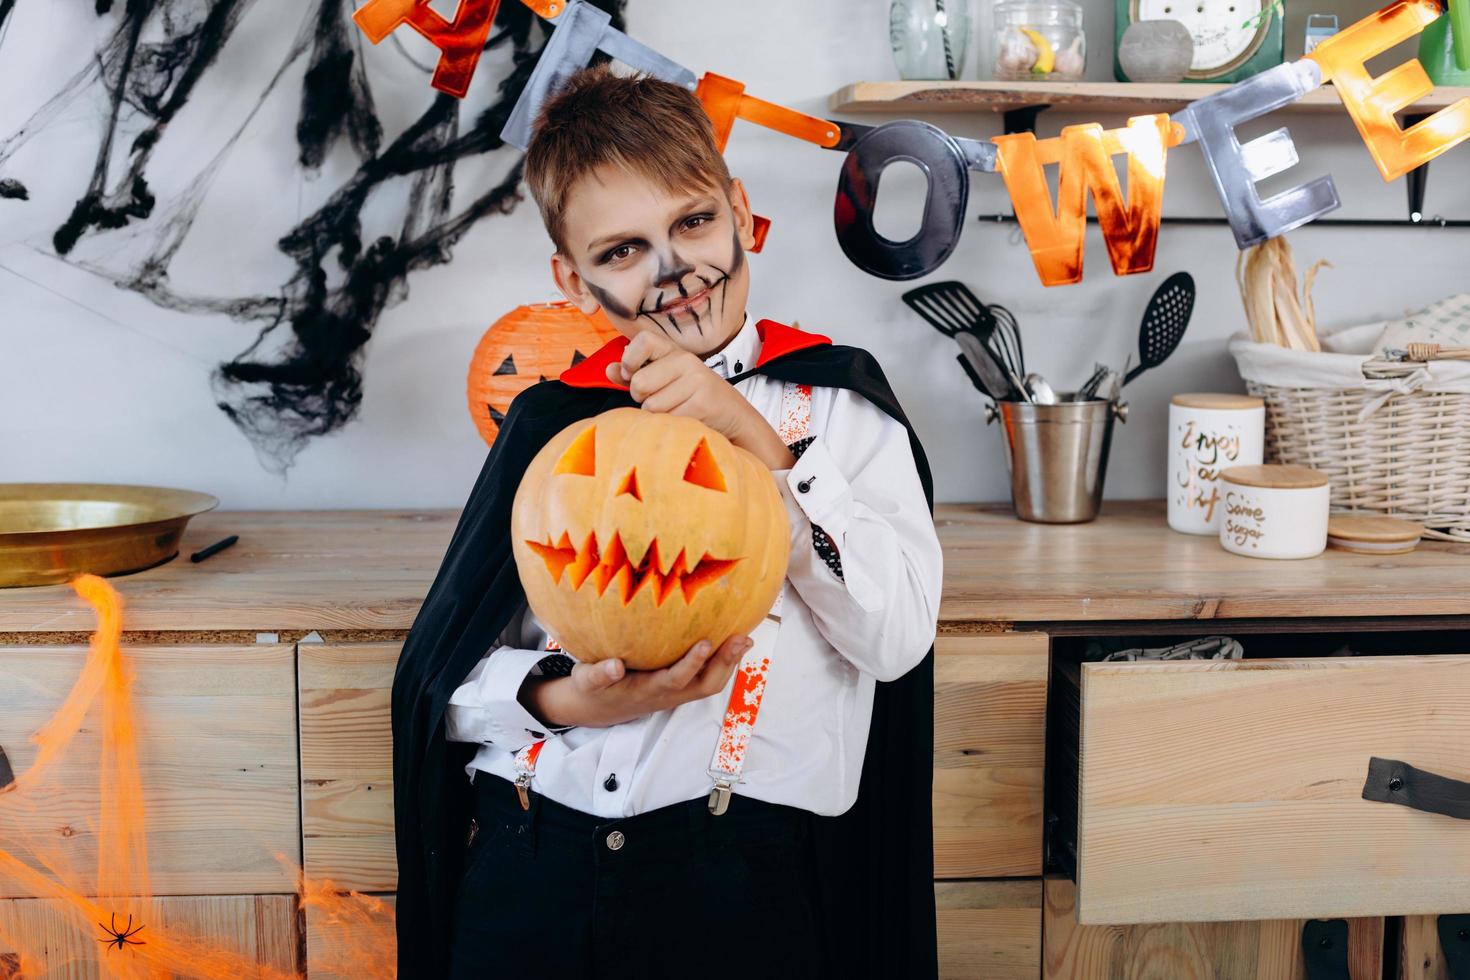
(1372, 534)
(1275, 476)
(1217, 401)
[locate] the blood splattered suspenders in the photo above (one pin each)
(750, 677)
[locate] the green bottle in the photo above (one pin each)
(1444, 47)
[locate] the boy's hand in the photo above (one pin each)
(663, 377)
(598, 695)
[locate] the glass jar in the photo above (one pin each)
(1038, 40)
(928, 37)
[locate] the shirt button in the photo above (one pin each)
(806, 484)
(611, 782)
(616, 840)
(739, 367)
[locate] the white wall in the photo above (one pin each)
(97, 384)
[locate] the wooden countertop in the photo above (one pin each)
(368, 570)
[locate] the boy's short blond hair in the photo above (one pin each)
(644, 124)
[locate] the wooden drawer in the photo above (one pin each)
(989, 754)
(51, 940)
(1233, 790)
(1270, 950)
(347, 763)
(988, 930)
(217, 754)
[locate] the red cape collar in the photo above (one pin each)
(777, 340)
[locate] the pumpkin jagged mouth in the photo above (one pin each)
(613, 565)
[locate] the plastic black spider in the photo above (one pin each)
(120, 938)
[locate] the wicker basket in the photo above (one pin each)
(1410, 457)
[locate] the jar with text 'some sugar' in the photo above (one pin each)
(1208, 433)
(1274, 511)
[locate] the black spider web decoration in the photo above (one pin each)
(301, 377)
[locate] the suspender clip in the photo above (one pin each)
(523, 786)
(719, 797)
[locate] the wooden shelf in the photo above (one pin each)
(1122, 97)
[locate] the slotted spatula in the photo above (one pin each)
(949, 307)
(1164, 321)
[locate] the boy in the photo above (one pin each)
(566, 819)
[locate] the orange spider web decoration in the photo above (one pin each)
(119, 916)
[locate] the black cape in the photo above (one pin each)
(875, 861)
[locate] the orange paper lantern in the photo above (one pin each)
(527, 345)
(637, 534)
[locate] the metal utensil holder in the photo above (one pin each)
(1057, 456)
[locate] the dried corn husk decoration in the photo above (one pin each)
(1267, 279)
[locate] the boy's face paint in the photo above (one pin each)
(655, 261)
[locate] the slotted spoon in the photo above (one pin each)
(1164, 321)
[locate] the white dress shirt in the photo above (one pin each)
(838, 637)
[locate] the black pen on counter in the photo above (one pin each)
(215, 548)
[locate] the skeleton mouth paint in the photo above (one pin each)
(615, 565)
(675, 310)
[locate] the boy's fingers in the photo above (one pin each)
(671, 397)
(652, 378)
(645, 347)
(603, 674)
(717, 672)
(687, 667)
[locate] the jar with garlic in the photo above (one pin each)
(1038, 40)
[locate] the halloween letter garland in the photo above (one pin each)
(1082, 152)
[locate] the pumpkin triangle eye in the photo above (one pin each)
(630, 485)
(703, 469)
(507, 366)
(581, 455)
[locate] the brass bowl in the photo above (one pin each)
(52, 532)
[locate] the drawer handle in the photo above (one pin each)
(1391, 781)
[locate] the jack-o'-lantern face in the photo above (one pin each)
(637, 534)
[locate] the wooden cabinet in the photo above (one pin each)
(1234, 790)
(1204, 791)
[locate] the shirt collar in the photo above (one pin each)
(739, 354)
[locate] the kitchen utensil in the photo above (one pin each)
(1089, 387)
(974, 377)
(1005, 339)
(1038, 391)
(996, 382)
(1164, 321)
(948, 306)
(1057, 456)
(51, 532)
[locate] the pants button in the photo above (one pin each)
(615, 840)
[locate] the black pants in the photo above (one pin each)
(556, 894)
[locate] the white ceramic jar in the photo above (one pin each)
(1209, 433)
(1274, 511)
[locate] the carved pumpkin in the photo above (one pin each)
(637, 534)
(528, 344)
